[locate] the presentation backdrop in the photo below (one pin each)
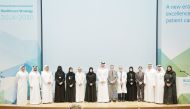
(85, 32)
(174, 35)
(174, 42)
(20, 42)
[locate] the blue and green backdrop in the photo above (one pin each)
(20, 42)
(174, 42)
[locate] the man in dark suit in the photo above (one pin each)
(140, 84)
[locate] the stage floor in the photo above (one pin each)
(112, 105)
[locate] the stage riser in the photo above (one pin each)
(166, 107)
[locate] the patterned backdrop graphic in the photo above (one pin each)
(174, 46)
(20, 42)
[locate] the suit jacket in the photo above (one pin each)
(112, 76)
(140, 78)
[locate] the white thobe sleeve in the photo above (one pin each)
(51, 78)
(83, 78)
(145, 78)
(17, 76)
(78, 79)
(44, 79)
(99, 76)
(30, 79)
(154, 79)
(105, 75)
(40, 80)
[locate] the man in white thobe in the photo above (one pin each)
(35, 84)
(47, 85)
(149, 81)
(159, 88)
(102, 74)
(80, 85)
(22, 85)
(121, 84)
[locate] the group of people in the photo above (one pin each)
(153, 85)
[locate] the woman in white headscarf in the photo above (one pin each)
(159, 88)
(47, 85)
(22, 85)
(35, 84)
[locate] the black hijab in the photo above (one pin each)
(171, 71)
(90, 69)
(70, 69)
(59, 70)
(131, 68)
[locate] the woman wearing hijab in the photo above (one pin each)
(22, 85)
(170, 93)
(59, 85)
(131, 85)
(90, 95)
(70, 86)
(35, 85)
(47, 85)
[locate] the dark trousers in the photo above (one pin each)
(140, 92)
(121, 96)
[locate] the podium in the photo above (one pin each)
(8, 90)
(183, 89)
